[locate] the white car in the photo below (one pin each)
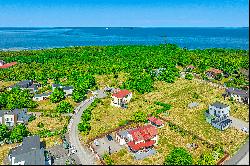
(244, 129)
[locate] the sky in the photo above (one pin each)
(124, 13)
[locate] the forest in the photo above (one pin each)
(76, 65)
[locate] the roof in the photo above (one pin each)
(239, 92)
(68, 87)
(216, 71)
(219, 105)
(29, 151)
(21, 114)
(140, 145)
(143, 133)
(43, 94)
(155, 121)
(121, 93)
(7, 65)
(190, 67)
(123, 133)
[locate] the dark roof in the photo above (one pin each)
(219, 105)
(29, 151)
(67, 87)
(43, 94)
(239, 92)
(56, 85)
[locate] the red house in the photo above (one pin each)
(121, 98)
(7, 65)
(142, 138)
(156, 122)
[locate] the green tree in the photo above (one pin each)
(189, 76)
(57, 95)
(108, 160)
(179, 156)
(18, 132)
(79, 95)
(206, 159)
(84, 127)
(139, 116)
(4, 132)
(64, 107)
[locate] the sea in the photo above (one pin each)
(57, 37)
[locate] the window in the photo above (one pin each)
(7, 119)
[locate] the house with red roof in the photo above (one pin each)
(139, 139)
(155, 122)
(212, 73)
(189, 68)
(120, 98)
(4, 65)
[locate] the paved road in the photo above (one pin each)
(241, 157)
(84, 154)
(238, 124)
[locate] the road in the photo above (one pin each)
(239, 124)
(241, 157)
(84, 154)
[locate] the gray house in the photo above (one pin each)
(238, 95)
(27, 84)
(30, 152)
(13, 117)
(67, 89)
(218, 115)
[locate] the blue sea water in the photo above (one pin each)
(191, 38)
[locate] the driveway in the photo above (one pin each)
(238, 124)
(84, 154)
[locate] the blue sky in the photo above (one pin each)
(142, 13)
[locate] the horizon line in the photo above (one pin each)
(124, 26)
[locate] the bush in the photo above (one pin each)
(123, 122)
(18, 132)
(206, 159)
(189, 76)
(64, 107)
(57, 96)
(4, 132)
(139, 116)
(32, 117)
(108, 159)
(179, 156)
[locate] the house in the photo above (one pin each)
(13, 117)
(121, 98)
(2, 62)
(4, 65)
(212, 73)
(67, 89)
(138, 139)
(155, 122)
(30, 152)
(189, 68)
(218, 115)
(40, 97)
(238, 95)
(27, 84)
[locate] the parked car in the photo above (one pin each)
(244, 129)
(109, 137)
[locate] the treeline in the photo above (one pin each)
(75, 63)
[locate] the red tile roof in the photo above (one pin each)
(155, 121)
(7, 65)
(140, 145)
(144, 133)
(216, 71)
(190, 67)
(121, 93)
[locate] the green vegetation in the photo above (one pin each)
(206, 159)
(57, 95)
(189, 76)
(64, 107)
(165, 108)
(4, 132)
(139, 116)
(179, 156)
(16, 98)
(123, 122)
(18, 132)
(108, 159)
(84, 126)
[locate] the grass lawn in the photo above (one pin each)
(179, 95)
(48, 105)
(4, 150)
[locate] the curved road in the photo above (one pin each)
(84, 154)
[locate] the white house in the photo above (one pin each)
(239, 95)
(40, 97)
(67, 89)
(218, 109)
(121, 98)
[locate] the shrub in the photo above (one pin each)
(179, 156)
(64, 107)
(189, 76)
